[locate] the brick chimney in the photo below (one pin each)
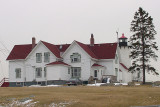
(33, 42)
(92, 40)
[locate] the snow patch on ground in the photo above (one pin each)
(97, 84)
(17, 103)
(120, 83)
(62, 104)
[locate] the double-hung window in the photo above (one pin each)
(38, 57)
(116, 72)
(38, 72)
(46, 57)
(75, 57)
(69, 70)
(45, 72)
(18, 72)
(76, 72)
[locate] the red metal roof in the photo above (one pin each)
(20, 52)
(104, 51)
(53, 49)
(98, 51)
(97, 65)
(124, 66)
(58, 63)
(123, 36)
(120, 70)
(86, 48)
(63, 47)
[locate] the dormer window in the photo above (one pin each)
(75, 57)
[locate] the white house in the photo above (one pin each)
(45, 63)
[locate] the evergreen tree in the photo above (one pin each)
(142, 43)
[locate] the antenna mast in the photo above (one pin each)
(117, 36)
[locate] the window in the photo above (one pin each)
(138, 74)
(39, 83)
(76, 72)
(116, 59)
(75, 57)
(18, 73)
(68, 70)
(38, 57)
(101, 72)
(95, 73)
(38, 72)
(46, 57)
(45, 72)
(116, 72)
(18, 83)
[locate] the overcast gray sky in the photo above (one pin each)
(62, 21)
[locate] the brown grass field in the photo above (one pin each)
(85, 96)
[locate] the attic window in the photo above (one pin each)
(46, 57)
(75, 57)
(38, 57)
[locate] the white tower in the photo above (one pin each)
(125, 61)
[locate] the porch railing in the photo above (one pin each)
(3, 81)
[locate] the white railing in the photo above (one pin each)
(4, 80)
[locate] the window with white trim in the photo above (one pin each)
(76, 72)
(38, 72)
(38, 57)
(69, 70)
(46, 57)
(116, 72)
(45, 72)
(138, 74)
(18, 72)
(101, 72)
(75, 57)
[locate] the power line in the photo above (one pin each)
(2, 69)
(4, 46)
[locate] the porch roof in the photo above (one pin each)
(97, 65)
(58, 63)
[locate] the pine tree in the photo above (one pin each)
(142, 43)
